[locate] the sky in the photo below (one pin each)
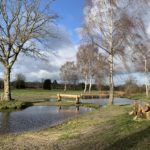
(60, 50)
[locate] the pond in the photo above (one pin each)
(104, 101)
(37, 117)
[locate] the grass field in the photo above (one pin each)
(110, 128)
(40, 94)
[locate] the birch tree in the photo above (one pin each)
(141, 53)
(86, 62)
(110, 23)
(23, 25)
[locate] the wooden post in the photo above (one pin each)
(77, 108)
(77, 100)
(59, 108)
(58, 97)
(81, 95)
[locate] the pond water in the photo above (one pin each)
(104, 101)
(37, 117)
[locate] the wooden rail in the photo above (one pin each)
(76, 97)
(90, 95)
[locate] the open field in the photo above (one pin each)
(108, 128)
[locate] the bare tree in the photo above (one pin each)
(86, 62)
(110, 24)
(141, 53)
(68, 73)
(24, 25)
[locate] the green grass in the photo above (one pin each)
(11, 105)
(110, 128)
(40, 94)
(138, 96)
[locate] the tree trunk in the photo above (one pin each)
(7, 91)
(90, 86)
(111, 63)
(65, 87)
(146, 79)
(111, 83)
(85, 87)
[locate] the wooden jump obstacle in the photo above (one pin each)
(76, 97)
(91, 95)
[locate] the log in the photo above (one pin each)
(147, 114)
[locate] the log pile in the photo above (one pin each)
(141, 111)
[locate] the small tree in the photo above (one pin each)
(54, 84)
(131, 86)
(47, 84)
(20, 81)
(68, 73)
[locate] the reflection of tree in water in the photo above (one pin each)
(77, 108)
(5, 128)
(61, 109)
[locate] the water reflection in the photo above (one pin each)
(37, 117)
(75, 109)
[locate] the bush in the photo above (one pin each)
(20, 81)
(47, 84)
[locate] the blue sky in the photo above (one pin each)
(70, 15)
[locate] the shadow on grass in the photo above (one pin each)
(132, 141)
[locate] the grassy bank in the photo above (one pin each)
(138, 96)
(11, 105)
(109, 128)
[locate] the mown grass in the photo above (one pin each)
(110, 128)
(40, 94)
